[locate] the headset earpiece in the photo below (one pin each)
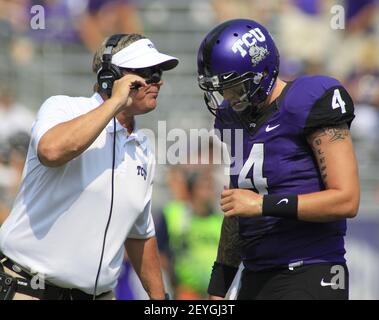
(109, 73)
(107, 76)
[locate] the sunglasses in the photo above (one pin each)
(145, 73)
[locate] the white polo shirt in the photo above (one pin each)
(57, 224)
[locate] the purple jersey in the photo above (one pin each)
(278, 160)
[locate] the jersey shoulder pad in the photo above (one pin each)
(314, 102)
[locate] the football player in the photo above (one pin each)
(286, 208)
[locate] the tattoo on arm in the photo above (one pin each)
(229, 245)
(333, 134)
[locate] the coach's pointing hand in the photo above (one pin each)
(241, 202)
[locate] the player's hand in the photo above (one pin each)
(122, 94)
(211, 297)
(241, 202)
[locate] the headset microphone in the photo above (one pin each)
(135, 86)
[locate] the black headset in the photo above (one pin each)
(109, 73)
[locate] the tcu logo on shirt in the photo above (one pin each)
(141, 172)
(248, 40)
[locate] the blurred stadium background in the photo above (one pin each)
(38, 63)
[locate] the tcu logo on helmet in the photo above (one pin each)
(248, 40)
(257, 54)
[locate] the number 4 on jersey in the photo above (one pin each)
(337, 101)
(255, 161)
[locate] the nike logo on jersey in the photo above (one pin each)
(227, 76)
(326, 284)
(283, 200)
(268, 128)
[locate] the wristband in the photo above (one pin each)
(221, 278)
(280, 206)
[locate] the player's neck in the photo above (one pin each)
(278, 88)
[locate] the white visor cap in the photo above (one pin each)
(143, 54)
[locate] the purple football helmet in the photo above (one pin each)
(240, 53)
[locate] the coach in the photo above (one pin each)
(87, 185)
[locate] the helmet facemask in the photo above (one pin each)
(241, 93)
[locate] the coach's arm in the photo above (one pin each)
(143, 254)
(69, 139)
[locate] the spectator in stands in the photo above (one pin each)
(61, 21)
(105, 17)
(361, 15)
(189, 231)
(12, 159)
(14, 117)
